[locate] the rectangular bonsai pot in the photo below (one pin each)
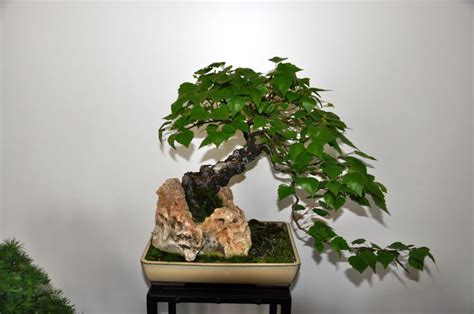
(241, 273)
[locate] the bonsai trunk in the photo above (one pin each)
(201, 187)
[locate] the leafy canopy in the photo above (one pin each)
(303, 139)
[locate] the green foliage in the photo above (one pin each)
(284, 191)
(303, 139)
(24, 287)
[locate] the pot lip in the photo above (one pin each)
(297, 261)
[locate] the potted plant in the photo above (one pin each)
(281, 117)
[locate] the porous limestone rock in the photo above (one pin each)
(175, 230)
(225, 231)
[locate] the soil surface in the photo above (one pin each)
(270, 244)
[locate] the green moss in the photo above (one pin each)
(270, 244)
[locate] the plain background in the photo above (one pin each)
(84, 87)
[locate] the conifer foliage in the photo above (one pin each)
(24, 287)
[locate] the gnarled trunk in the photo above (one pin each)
(201, 187)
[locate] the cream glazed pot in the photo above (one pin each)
(238, 273)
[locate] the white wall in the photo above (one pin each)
(472, 166)
(86, 84)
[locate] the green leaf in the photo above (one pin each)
(386, 257)
(282, 81)
(358, 199)
(358, 241)
(304, 81)
(375, 246)
(284, 191)
(362, 154)
(355, 182)
(236, 103)
(211, 128)
(287, 68)
(415, 263)
(310, 185)
(198, 113)
(431, 257)
(208, 140)
(334, 187)
(172, 115)
(220, 94)
(162, 129)
(277, 59)
(295, 150)
(320, 231)
(220, 113)
(315, 148)
(220, 138)
(355, 164)
(380, 202)
(319, 246)
(332, 170)
(417, 257)
(297, 207)
(224, 77)
(187, 88)
(292, 96)
(358, 263)
(320, 212)
(181, 122)
(333, 201)
(368, 257)
(289, 134)
(346, 141)
(398, 246)
(229, 129)
(209, 68)
(308, 103)
(320, 134)
(374, 190)
(171, 140)
(241, 125)
(185, 137)
(258, 122)
(382, 187)
(257, 93)
(264, 106)
(338, 202)
(339, 244)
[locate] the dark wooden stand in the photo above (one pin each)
(217, 293)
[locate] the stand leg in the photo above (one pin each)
(171, 307)
(286, 307)
(151, 306)
(273, 308)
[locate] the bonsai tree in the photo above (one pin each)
(282, 117)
